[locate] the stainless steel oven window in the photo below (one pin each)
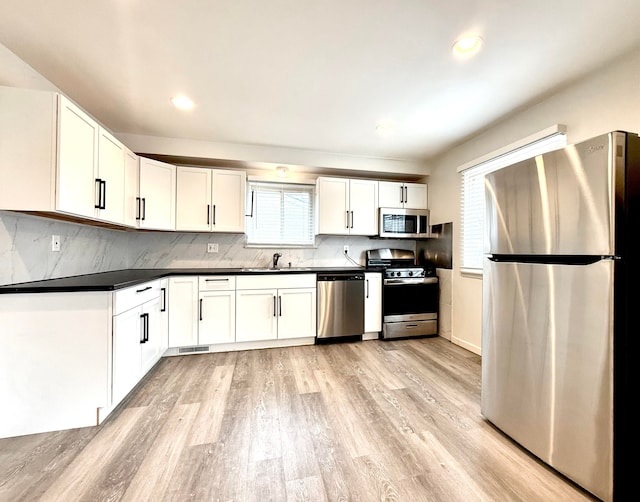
(401, 299)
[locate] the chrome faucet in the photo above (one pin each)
(276, 256)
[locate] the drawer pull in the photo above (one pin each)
(143, 289)
(216, 280)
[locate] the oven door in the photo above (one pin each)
(403, 299)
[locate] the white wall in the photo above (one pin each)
(608, 99)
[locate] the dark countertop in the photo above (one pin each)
(119, 279)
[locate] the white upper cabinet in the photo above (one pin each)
(110, 178)
(193, 199)
(210, 200)
(402, 195)
(77, 190)
(157, 195)
(132, 208)
(55, 158)
(229, 189)
(347, 206)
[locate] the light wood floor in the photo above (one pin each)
(364, 421)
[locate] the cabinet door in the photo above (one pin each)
(111, 171)
(415, 196)
(193, 199)
(131, 214)
(296, 313)
(333, 206)
(77, 160)
(183, 308)
(256, 315)
(217, 317)
(164, 315)
(363, 207)
(390, 194)
(150, 348)
(157, 195)
(127, 338)
(229, 189)
(372, 302)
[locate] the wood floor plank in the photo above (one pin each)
(308, 489)
(206, 427)
(80, 478)
(156, 471)
(31, 463)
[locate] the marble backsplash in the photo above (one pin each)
(25, 250)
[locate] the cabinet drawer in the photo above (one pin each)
(216, 282)
(281, 280)
(126, 299)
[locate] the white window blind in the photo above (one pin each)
(472, 199)
(280, 214)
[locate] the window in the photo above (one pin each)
(472, 199)
(280, 214)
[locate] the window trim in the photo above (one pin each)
(549, 139)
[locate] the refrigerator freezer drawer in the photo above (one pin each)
(547, 364)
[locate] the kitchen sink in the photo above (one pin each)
(266, 269)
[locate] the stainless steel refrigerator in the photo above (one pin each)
(559, 333)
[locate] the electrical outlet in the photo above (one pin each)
(346, 249)
(55, 243)
(212, 247)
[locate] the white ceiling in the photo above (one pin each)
(314, 74)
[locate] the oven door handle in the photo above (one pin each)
(401, 282)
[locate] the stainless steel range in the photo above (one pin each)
(410, 294)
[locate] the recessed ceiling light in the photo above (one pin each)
(385, 127)
(182, 102)
(467, 45)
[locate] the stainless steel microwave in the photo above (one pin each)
(403, 223)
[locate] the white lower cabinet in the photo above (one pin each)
(372, 302)
(202, 310)
(217, 318)
(69, 358)
(273, 308)
(137, 338)
(183, 311)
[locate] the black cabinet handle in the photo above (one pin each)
(138, 208)
(103, 185)
(200, 308)
(144, 328)
(367, 283)
(274, 306)
(98, 193)
(208, 214)
(164, 300)
(144, 208)
(401, 195)
(214, 214)
(143, 289)
(406, 195)
(250, 215)
(280, 306)
(351, 219)
(347, 219)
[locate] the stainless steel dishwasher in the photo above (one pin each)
(340, 304)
